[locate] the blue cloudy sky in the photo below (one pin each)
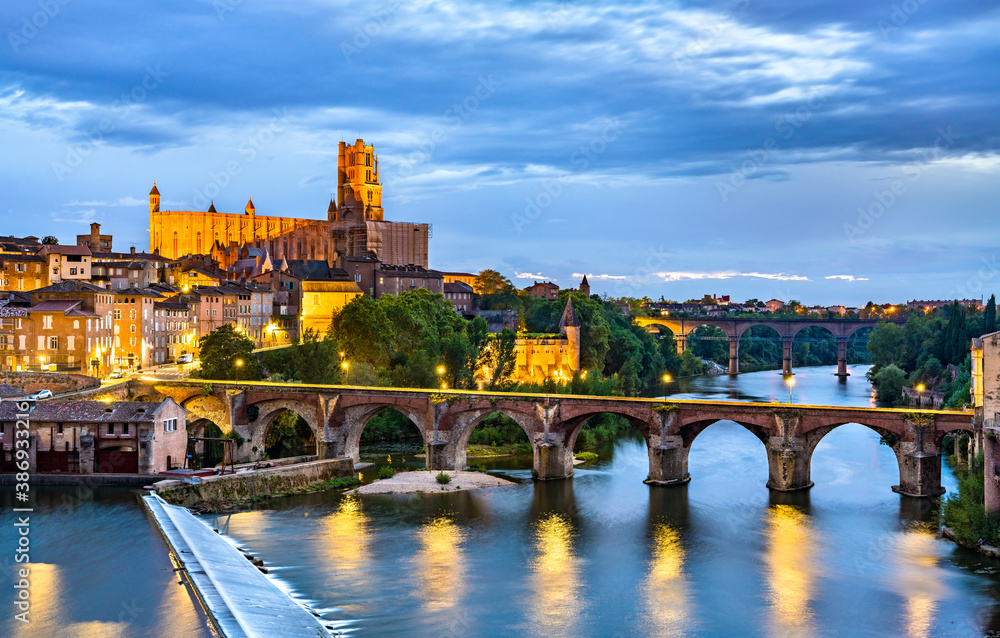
(830, 151)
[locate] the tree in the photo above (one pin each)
(50, 240)
(887, 344)
(489, 282)
(221, 351)
(364, 331)
(316, 359)
(888, 384)
(500, 358)
(990, 320)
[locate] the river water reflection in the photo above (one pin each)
(605, 555)
(601, 554)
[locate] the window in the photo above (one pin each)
(118, 314)
(124, 428)
(47, 322)
(19, 267)
(76, 324)
(170, 425)
(59, 429)
(131, 341)
(111, 429)
(132, 328)
(53, 343)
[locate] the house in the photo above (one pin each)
(543, 290)
(460, 295)
(774, 305)
(91, 437)
(67, 262)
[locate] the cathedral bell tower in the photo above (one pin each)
(154, 199)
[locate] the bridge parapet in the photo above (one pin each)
(789, 433)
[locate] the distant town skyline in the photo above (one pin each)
(833, 153)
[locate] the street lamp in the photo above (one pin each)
(666, 380)
(920, 395)
(239, 364)
(791, 384)
(347, 371)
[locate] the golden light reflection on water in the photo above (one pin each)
(347, 537)
(919, 581)
(790, 571)
(47, 614)
(665, 591)
(441, 564)
(555, 603)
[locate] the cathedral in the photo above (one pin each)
(354, 224)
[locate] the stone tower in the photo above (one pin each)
(359, 192)
(585, 286)
(249, 210)
(154, 199)
(569, 325)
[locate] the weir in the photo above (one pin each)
(239, 600)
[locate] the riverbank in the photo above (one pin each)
(421, 482)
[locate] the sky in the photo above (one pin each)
(833, 152)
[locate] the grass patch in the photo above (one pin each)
(386, 472)
(585, 456)
(503, 449)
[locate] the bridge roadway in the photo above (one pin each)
(682, 327)
(338, 414)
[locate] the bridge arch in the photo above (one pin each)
(355, 418)
(269, 410)
(473, 419)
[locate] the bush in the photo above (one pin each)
(477, 468)
(386, 472)
(443, 478)
(585, 456)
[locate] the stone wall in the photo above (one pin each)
(55, 381)
(243, 486)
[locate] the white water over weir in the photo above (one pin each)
(240, 599)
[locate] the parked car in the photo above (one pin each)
(41, 394)
(185, 358)
(117, 374)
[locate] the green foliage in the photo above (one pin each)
(222, 349)
(234, 436)
(500, 431)
(386, 472)
(499, 359)
(990, 316)
(442, 478)
(389, 426)
(888, 382)
(585, 456)
(600, 429)
(206, 389)
(965, 512)
(289, 435)
(253, 412)
(476, 468)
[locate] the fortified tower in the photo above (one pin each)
(154, 199)
(358, 189)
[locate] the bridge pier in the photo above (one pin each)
(552, 461)
(842, 357)
(734, 355)
(789, 462)
(668, 465)
(786, 355)
(437, 457)
(919, 474)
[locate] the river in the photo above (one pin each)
(601, 554)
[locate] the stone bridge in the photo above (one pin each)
(788, 433)
(787, 329)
